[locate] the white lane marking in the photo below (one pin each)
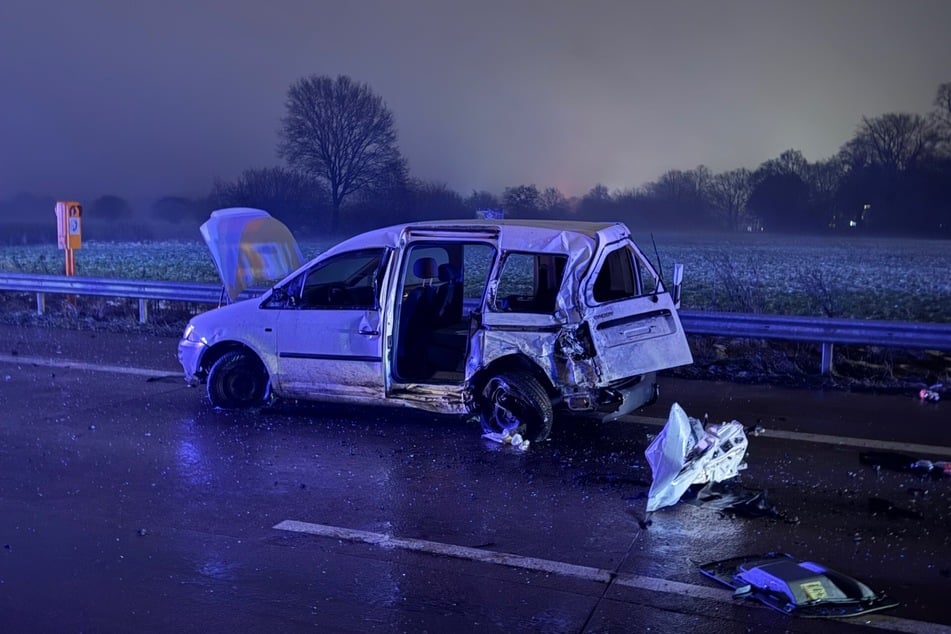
(46, 362)
(449, 550)
(825, 439)
(587, 573)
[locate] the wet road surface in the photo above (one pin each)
(127, 504)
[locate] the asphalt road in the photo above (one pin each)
(127, 504)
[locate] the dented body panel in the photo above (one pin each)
(423, 314)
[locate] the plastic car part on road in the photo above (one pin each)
(791, 586)
(684, 453)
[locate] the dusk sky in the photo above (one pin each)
(149, 99)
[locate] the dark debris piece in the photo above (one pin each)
(730, 498)
(881, 506)
(894, 461)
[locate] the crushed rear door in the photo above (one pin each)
(632, 320)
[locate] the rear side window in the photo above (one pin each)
(529, 282)
(618, 277)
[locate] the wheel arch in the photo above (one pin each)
(514, 363)
(220, 349)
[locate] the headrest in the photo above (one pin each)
(424, 268)
(448, 273)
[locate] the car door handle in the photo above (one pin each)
(369, 333)
(637, 332)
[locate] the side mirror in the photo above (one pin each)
(678, 284)
(280, 297)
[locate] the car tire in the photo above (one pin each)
(516, 402)
(237, 380)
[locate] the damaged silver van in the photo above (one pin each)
(506, 319)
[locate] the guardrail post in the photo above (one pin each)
(826, 363)
(40, 303)
(143, 310)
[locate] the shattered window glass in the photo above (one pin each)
(529, 282)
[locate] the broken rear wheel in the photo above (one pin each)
(515, 402)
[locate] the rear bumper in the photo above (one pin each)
(618, 399)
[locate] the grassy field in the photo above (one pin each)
(896, 279)
(865, 278)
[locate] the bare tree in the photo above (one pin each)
(681, 186)
(339, 131)
(896, 141)
(552, 203)
(729, 194)
(288, 195)
(941, 117)
(680, 197)
(780, 193)
(430, 200)
(521, 201)
(789, 162)
(942, 102)
(597, 203)
(825, 178)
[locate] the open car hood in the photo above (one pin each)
(803, 588)
(249, 247)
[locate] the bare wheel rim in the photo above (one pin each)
(504, 407)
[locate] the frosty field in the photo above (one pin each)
(898, 279)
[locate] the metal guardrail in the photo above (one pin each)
(825, 331)
(143, 290)
(895, 334)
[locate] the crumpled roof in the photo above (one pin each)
(249, 247)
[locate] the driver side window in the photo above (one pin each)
(345, 281)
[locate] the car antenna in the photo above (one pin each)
(660, 268)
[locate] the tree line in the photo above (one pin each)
(343, 172)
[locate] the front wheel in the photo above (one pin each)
(515, 402)
(237, 380)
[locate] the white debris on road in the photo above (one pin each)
(508, 438)
(684, 453)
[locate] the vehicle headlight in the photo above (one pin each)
(189, 329)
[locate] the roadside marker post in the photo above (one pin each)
(69, 231)
(69, 234)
